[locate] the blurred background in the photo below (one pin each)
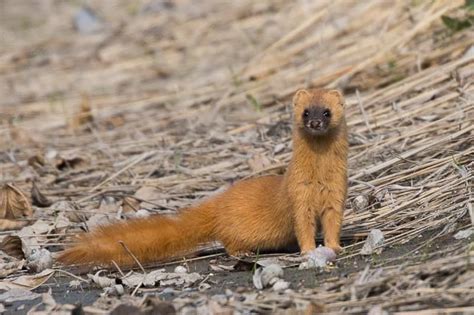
(223, 53)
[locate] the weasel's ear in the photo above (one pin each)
(338, 95)
(301, 96)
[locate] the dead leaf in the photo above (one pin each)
(130, 204)
(61, 222)
(29, 282)
(13, 203)
(31, 236)
(38, 198)
(101, 281)
(259, 162)
(142, 213)
(148, 195)
(99, 219)
(9, 264)
(161, 278)
(219, 267)
(69, 210)
(12, 246)
(108, 205)
(7, 269)
(13, 206)
(6, 224)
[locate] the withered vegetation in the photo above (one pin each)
(192, 97)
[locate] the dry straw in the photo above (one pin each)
(183, 99)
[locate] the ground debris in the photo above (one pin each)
(39, 260)
(373, 243)
(270, 276)
(150, 79)
(14, 205)
(318, 258)
(464, 234)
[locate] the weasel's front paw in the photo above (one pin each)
(318, 257)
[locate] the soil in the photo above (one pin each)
(241, 281)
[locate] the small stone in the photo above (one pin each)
(318, 258)
(360, 203)
(168, 291)
(374, 239)
(180, 269)
(279, 148)
(142, 213)
(263, 277)
(39, 260)
(204, 287)
(469, 52)
(464, 234)
(87, 22)
(280, 285)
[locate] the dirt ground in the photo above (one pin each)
(109, 107)
(241, 281)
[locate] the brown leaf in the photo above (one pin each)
(11, 267)
(38, 198)
(13, 203)
(148, 195)
(259, 162)
(6, 224)
(28, 282)
(12, 246)
(130, 204)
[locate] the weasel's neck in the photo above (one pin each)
(310, 152)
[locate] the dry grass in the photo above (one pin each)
(183, 99)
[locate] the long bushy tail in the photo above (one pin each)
(149, 239)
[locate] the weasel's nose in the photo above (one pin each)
(315, 124)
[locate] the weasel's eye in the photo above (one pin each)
(306, 113)
(327, 113)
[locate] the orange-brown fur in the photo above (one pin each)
(268, 212)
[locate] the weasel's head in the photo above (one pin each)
(317, 112)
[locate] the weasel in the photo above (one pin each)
(263, 213)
